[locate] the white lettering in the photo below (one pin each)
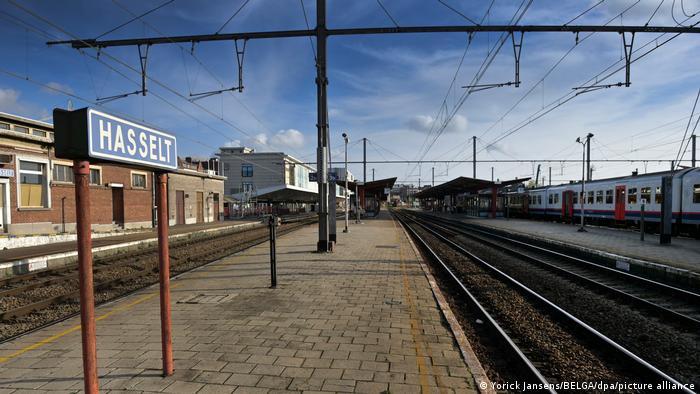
(143, 149)
(160, 150)
(105, 133)
(152, 150)
(119, 139)
(131, 137)
(167, 143)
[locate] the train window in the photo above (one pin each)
(551, 198)
(696, 194)
(590, 198)
(599, 197)
(658, 197)
(632, 195)
(539, 199)
(646, 194)
(575, 198)
(556, 198)
(608, 196)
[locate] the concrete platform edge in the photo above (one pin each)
(470, 358)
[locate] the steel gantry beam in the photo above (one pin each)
(92, 43)
(321, 33)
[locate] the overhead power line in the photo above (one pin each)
(233, 16)
(133, 19)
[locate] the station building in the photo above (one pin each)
(37, 194)
(261, 182)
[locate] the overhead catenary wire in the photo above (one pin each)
(491, 55)
(308, 27)
(692, 113)
(233, 16)
(457, 12)
(387, 13)
(128, 66)
(570, 96)
(134, 19)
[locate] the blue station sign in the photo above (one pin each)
(94, 135)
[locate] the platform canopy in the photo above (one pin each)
(464, 185)
(374, 187)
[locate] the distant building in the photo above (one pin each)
(255, 178)
(196, 192)
(37, 195)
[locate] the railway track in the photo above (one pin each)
(35, 300)
(679, 305)
(535, 365)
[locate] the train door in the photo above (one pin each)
(620, 202)
(567, 206)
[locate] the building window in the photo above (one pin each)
(33, 188)
(21, 129)
(138, 180)
(658, 196)
(62, 173)
(247, 170)
(696, 194)
(96, 176)
(608, 196)
(4, 126)
(646, 195)
(632, 195)
(39, 133)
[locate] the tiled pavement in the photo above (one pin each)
(362, 319)
(682, 253)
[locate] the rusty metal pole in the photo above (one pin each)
(81, 172)
(164, 275)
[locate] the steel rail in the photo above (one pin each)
(595, 334)
(524, 360)
(690, 296)
(619, 275)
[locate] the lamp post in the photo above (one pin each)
(345, 138)
(584, 144)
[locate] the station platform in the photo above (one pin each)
(683, 254)
(366, 318)
(19, 260)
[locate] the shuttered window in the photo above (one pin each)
(33, 188)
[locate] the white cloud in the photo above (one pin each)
(260, 139)
(233, 144)
(10, 102)
(290, 138)
(424, 124)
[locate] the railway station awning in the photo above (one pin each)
(374, 187)
(464, 185)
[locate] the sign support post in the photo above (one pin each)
(164, 275)
(81, 172)
(86, 135)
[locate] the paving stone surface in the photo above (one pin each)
(682, 253)
(362, 319)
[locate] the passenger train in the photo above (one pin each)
(616, 200)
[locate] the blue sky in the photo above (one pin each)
(385, 88)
